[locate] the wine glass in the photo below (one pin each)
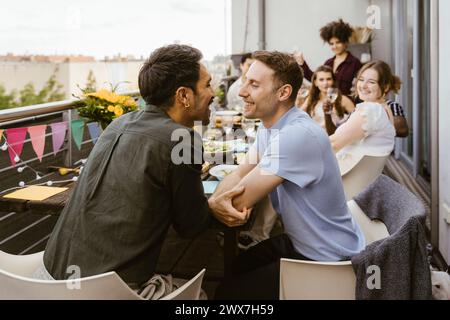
(227, 124)
(248, 125)
(304, 92)
(332, 94)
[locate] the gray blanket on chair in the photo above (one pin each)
(395, 267)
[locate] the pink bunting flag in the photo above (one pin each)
(15, 138)
(58, 135)
(37, 137)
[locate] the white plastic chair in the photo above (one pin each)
(304, 280)
(362, 174)
(189, 291)
(16, 283)
(373, 230)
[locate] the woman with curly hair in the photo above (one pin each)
(344, 65)
(329, 115)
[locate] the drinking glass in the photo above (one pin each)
(249, 127)
(332, 94)
(227, 124)
(304, 92)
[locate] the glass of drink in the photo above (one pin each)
(248, 125)
(227, 124)
(304, 92)
(332, 94)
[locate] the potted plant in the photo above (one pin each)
(104, 106)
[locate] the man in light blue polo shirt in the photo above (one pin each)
(291, 161)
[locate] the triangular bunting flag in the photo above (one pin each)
(1, 132)
(77, 127)
(37, 137)
(94, 130)
(15, 138)
(58, 135)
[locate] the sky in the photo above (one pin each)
(106, 27)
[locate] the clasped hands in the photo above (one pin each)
(222, 208)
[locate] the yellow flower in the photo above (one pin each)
(118, 111)
(111, 108)
(129, 102)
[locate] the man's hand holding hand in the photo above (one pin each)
(224, 211)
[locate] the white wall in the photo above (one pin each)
(14, 75)
(239, 14)
(444, 131)
(382, 48)
(295, 24)
(112, 72)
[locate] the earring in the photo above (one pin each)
(187, 105)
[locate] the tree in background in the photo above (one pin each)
(28, 95)
(7, 100)
(91, 84)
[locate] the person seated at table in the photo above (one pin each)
(318, 105)
(344, 65)
(292, 162)
(400, 122)
(234, 102)
(370, 129)
(137, 182)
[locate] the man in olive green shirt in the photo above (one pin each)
(132, 189)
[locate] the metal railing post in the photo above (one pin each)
(67, 116)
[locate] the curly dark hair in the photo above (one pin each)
(167, 69)
(339, 29)
(285, 67)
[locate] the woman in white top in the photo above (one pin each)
(320, 107)
(369, 130)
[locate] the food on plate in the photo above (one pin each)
(225, 172)
(215, 146)
(221, 171)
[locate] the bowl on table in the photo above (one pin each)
(221, 171)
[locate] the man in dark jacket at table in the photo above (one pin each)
(134, 185)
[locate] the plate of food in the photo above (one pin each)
(217, 151)
(221, 171)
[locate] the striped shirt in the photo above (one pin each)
(396, 108)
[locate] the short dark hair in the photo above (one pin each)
(245, 56)
(167, 69)
(336, 29)
(285, 67)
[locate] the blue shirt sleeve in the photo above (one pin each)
(294, 154)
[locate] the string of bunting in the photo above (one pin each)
(12, 140)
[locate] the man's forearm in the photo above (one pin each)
(230, 181)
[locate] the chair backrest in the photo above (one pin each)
(189, 291)
(16, 283)
(373, 230)
(305, 280)
(21, 265)
(300, 279)
(363, 174)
